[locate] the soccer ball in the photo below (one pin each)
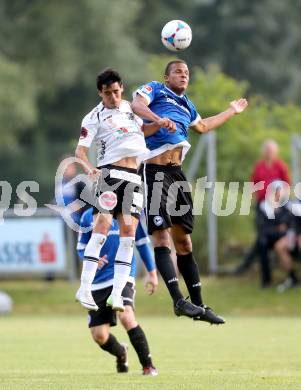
(176, 35)
(6, 303)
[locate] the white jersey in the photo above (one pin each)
(116, 132)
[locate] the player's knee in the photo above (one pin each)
(279, 246)
(161, 238)
(183, 245)
(100, 336)
(102, 224)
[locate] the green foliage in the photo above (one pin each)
(17, 102)
(50, 55)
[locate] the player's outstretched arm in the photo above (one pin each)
(212, 122)
(140, 108)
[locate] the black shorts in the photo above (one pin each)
(270, 239)
(118, 190)
(105, 314)
(168, 200)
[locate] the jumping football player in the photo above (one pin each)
(100, 321)
(167, 151)
(119, 138)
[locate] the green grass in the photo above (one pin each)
(45, 343)
(55, 352)
(229, 296)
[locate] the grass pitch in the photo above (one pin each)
(55, 352)
(45, 344)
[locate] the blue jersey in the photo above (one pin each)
(70, 193)
(165, 103)
(104, 276)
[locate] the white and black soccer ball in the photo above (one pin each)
(176, 35)
(6, 303)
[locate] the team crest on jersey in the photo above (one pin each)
(158, 220)
(83, 133)
(107, 200)
(147, 89)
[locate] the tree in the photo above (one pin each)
(50, 55)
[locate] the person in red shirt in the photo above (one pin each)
(269, 169)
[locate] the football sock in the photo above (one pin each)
(140, 344)
(94, 245)
(88, 274)
(112, 346)
(294, 276)
(167, 270)
(91, 257)
(190, 272)
(122, 265)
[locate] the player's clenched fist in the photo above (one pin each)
(94, 174)
(167, 124)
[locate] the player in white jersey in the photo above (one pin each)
(119, 136)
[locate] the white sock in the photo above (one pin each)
(91, 257)
(88, 274)
(94, 245)
(122, 265)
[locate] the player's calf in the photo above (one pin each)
(120, 350)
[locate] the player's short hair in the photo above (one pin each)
(107, 77)
(171, 63)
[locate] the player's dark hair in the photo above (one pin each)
(107, 77)
(171, 63)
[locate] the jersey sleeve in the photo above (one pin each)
(83, 238)
(88, 132)
(141, 236)
(142, 242)
(148, 91)
(195, 116)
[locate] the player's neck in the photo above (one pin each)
(111, 107)
(177, 91)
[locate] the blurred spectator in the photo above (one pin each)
(292, 243)
(275, 227)
(268, 169)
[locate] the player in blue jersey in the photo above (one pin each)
(166, 182)
(101, 320)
